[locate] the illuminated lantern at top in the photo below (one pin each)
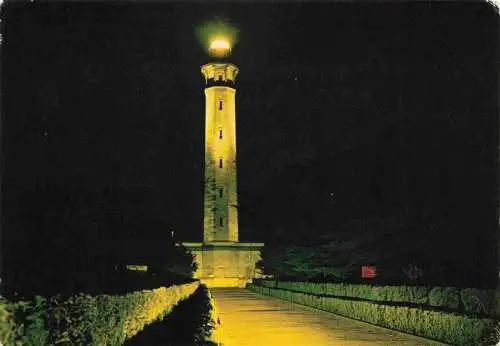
(219, 47)
(218, 37)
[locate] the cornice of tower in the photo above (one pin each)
(220, 74)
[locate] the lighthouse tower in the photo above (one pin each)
(220, 193)
(222, 261)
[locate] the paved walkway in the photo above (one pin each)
(248, 318)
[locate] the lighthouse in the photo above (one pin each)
(222, 261)
(220, 190)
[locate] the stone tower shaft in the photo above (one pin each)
(220, 186)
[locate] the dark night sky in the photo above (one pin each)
(344, 111)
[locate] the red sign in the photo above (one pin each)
(368, 272)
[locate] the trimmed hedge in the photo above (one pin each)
(481, 301)
(450, 328)
(87, 320)
(447, 297)
(467, 300)
(189, 323)
(271, 283)
(396, 294)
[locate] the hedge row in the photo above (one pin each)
(189, 323)
(450, 328)
(87, 320)
(469, 300)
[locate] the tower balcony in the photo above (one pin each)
(219, 74)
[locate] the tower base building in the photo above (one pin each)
(222, 264)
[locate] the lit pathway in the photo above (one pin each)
(248, 318)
